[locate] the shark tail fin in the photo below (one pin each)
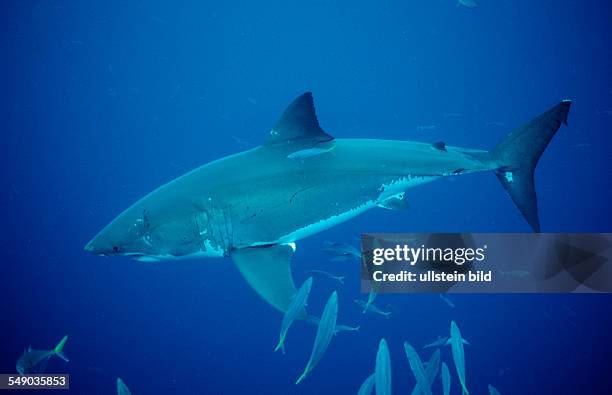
(280, 346)
(60, 346)
(517, 155)
(303, 375)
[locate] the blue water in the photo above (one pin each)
(103, 102)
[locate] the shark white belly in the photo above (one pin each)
(250, 205)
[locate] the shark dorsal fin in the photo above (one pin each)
(298, 127)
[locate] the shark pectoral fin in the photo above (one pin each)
(395, 202)
(268, 271)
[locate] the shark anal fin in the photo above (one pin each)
(298, 127)
(268, 272)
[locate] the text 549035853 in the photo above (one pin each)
(34, 381)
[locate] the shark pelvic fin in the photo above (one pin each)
(298, 127)
(395, 202)
(267, 269)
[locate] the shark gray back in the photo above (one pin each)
(255, 205)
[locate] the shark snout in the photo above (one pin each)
(91, 247)
(98, 247)
(88, 247)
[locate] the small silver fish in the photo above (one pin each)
(417, 369)
(35, 361)
(440, 341)
(382, 371)
(447, 301)
(309, 152)
(371, 307)
(371, 296)
(446, 379)
(456, 342)
(341, 251)
(122, 389)
(368, 386)
(325, 332)
(468, 3)
(339, 327)
(431, 371)
(346, 328)
(340, 279)
(295, 309)
(493, 390)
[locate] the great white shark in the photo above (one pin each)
(255, 205)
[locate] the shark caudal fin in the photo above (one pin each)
(59, 349)
(518, 154)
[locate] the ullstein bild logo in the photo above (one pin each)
(487, 262)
